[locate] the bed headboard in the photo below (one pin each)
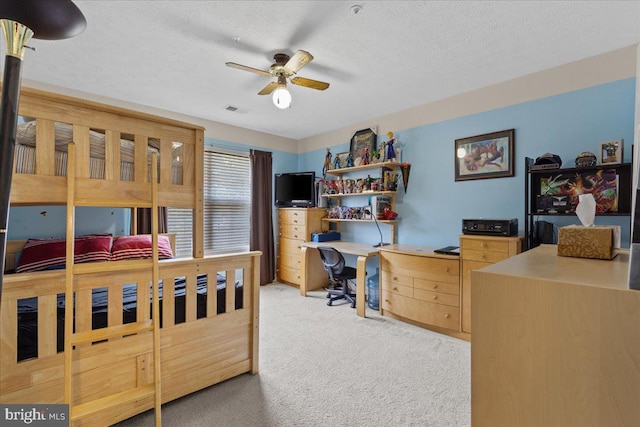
(14, 247)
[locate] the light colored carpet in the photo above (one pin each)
(324, 366)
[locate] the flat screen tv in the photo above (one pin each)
(295, 189)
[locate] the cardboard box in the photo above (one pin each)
(587, 242)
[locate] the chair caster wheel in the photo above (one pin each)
(328, 295)
(353, 305)
(329, 303)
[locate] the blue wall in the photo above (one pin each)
(434, 205)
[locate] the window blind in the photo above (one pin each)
(227, 206)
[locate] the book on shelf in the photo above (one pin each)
(378, 203)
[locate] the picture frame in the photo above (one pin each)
(611, 152)
(485, 156)
(362, 141)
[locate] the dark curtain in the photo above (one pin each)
(262, 214)
(144, 220)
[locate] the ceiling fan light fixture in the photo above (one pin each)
(282, 97)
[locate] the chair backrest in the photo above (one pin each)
(332, 260)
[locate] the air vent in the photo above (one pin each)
(235, 109)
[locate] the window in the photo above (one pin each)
(227, 206)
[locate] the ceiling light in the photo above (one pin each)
(281, 96)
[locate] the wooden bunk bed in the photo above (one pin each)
(208, 305)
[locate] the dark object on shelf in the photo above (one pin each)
(543, 233)
(325, 237)
(490, 227)
(449, 250)
(586, 159)
(547, 161)
(552, 203)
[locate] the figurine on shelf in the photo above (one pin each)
(391, 151)
(349, 161)
(336, 163)
(388, 214)
(365, 156)
(327, 163)
(382, 152)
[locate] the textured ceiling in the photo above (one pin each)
(391, 56)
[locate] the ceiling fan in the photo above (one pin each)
(283, 68)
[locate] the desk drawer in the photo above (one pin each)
(290, 275)
(398, 304)
(294, 231)
(443, 270)
(394, 276)
(396, 288)
(440, 315)
(435, 286)
(484, 256)
(437, 297)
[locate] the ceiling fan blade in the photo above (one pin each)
(268, 88)
(297, 61)
(313, 84)
(250, 69)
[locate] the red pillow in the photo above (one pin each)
(139, 246)
(46, 254)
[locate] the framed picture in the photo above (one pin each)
(611, 152)
(484, 156)
(363, 144)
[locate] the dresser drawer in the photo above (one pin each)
(485, 245)
(396, 288)
(398, 304)
(290, 275)
(290, 246)
(484, 256)
(293, 216)
(444, 270)
(393, 276)
(440, 315)
(437, 297)
(290, 260)
(294, 231)
(434, 286)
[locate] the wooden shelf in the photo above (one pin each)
(380, 221)
(383, 165)
(363, 193)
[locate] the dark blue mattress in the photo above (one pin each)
(28, 311)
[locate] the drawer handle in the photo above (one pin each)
(295, 221)
(483, 245)
(435, 297)
(395, 277)
(435, 286)
(446, 316)
(395, 288)
(295, 235)
(387, 301)
(446, 269)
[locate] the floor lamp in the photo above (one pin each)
(21, 20)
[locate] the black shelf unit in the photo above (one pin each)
(532, 186)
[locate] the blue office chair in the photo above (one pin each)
(339, 275)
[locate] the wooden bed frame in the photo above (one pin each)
(193, 355)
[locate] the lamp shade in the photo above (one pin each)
(282, 97)
(49, 20)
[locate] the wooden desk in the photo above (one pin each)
(555, 342)
(313, 276)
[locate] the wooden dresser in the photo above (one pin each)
(556, 342)
(478, 252)
(295, 225)
(420, 286)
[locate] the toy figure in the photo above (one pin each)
(327, 163)
(391, 152)
(349, 160)
(336, 163)
(365, 156)
(388, 214)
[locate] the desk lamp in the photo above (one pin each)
(368, 212)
